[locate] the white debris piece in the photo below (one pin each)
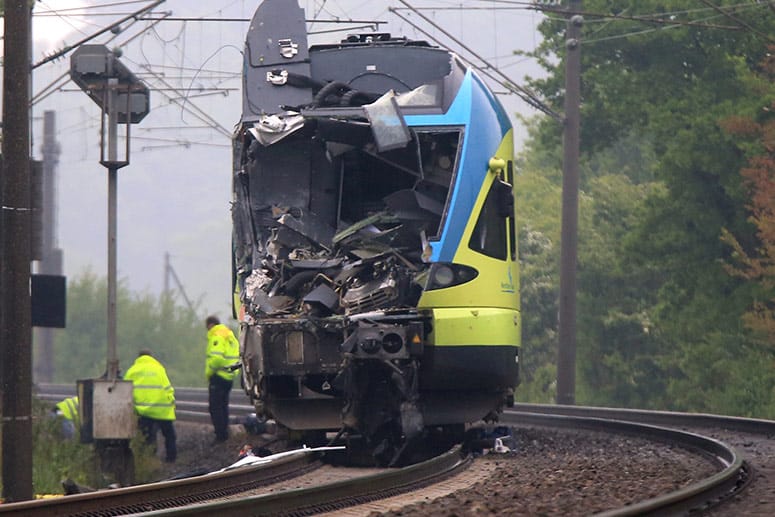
(499, 447)
(259, 460)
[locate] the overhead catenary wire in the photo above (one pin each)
(197, 112)
(524, 93)
(662, 23)
(182, 99)
(64, 78)
(110, 27)
(80, 9)
(487, 69)
(660, 19)
(59, 15)
(247, 20)
(737, 20)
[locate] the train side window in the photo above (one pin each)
(512, 220)
(489, 235)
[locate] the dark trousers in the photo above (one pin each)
(219, 390)
(150, 426)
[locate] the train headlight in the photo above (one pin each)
(441, 275)
(392, 343)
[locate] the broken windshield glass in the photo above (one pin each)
(340, 226)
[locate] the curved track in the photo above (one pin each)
(731, 476)
(228, 493)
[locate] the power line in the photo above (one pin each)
(246, 20)
(660, 19)
(60, 81)
(173, 89)
(197, 112)
(110, 27)
(522, 92)
(98, 6)
(737, 20)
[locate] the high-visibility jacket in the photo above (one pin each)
(68, 408)
(222, 352)
(154, 396)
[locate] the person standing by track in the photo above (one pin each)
(71, 422)
(154, 399)
(222, 355)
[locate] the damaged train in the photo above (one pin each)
(376, 280)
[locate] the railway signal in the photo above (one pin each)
(123, 99)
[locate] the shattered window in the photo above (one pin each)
(412, 183)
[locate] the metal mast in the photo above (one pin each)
(566, 356)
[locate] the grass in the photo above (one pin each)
(55, 458)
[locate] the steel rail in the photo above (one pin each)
(166, 494)
(667, 418)
(189, 496)
(333, 496)
(731, 479)
(191, 403)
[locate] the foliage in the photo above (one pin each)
(537, 207)
(756, 131)
(55, 458)
(618, 345)
(657, 315)
(173, 333)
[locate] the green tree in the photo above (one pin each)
(756, 131)
(537, 206)
(173, 333)
(618, 345)
(668, 86)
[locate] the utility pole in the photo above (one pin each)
(112, 164)
(566, 354)
(15, 316)
(51, 256)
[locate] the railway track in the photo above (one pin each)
(247, 491)
(191, 403)
(175, 498)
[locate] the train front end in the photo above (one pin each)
(376, 277)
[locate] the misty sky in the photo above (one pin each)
(174, 195)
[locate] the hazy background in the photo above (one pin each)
(174, 195)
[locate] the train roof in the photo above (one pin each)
(282, 73)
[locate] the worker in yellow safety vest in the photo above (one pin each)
(154, 400)
(222, 358)
(68, 410)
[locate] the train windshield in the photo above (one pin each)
(329, 182)
(326, 197)
(410, 184)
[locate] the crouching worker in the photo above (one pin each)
(68, 410)
(154, 399)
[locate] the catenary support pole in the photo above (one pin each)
(566, 356)
(112, 363)
(15, 322)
